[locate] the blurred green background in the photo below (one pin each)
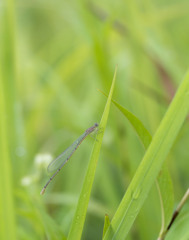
(55, 55)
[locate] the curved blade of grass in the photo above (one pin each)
(106, 224)
(80, 214)
(142, 132)
(150, 165)
(180, 228)
(163, 182)
(165, 189)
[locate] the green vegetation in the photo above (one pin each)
(125, 184)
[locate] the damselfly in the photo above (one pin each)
(62, 159)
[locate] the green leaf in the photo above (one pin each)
(7, 127)
(7, 217)
(106, 224)
(151, 164)
(80, 214)
(163, 182)
(165, 189)
(142, 132)
(180, 229)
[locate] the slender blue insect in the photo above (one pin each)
(62, 159)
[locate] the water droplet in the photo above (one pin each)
(136, 193)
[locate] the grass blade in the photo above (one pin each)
(165, 190)
(7, 81)
(150, 165)
(180, 228)
(141, 131)
(163, 182)
(7, 219)
(106, 224)
(80, 214)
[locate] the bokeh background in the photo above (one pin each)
(55, 55)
